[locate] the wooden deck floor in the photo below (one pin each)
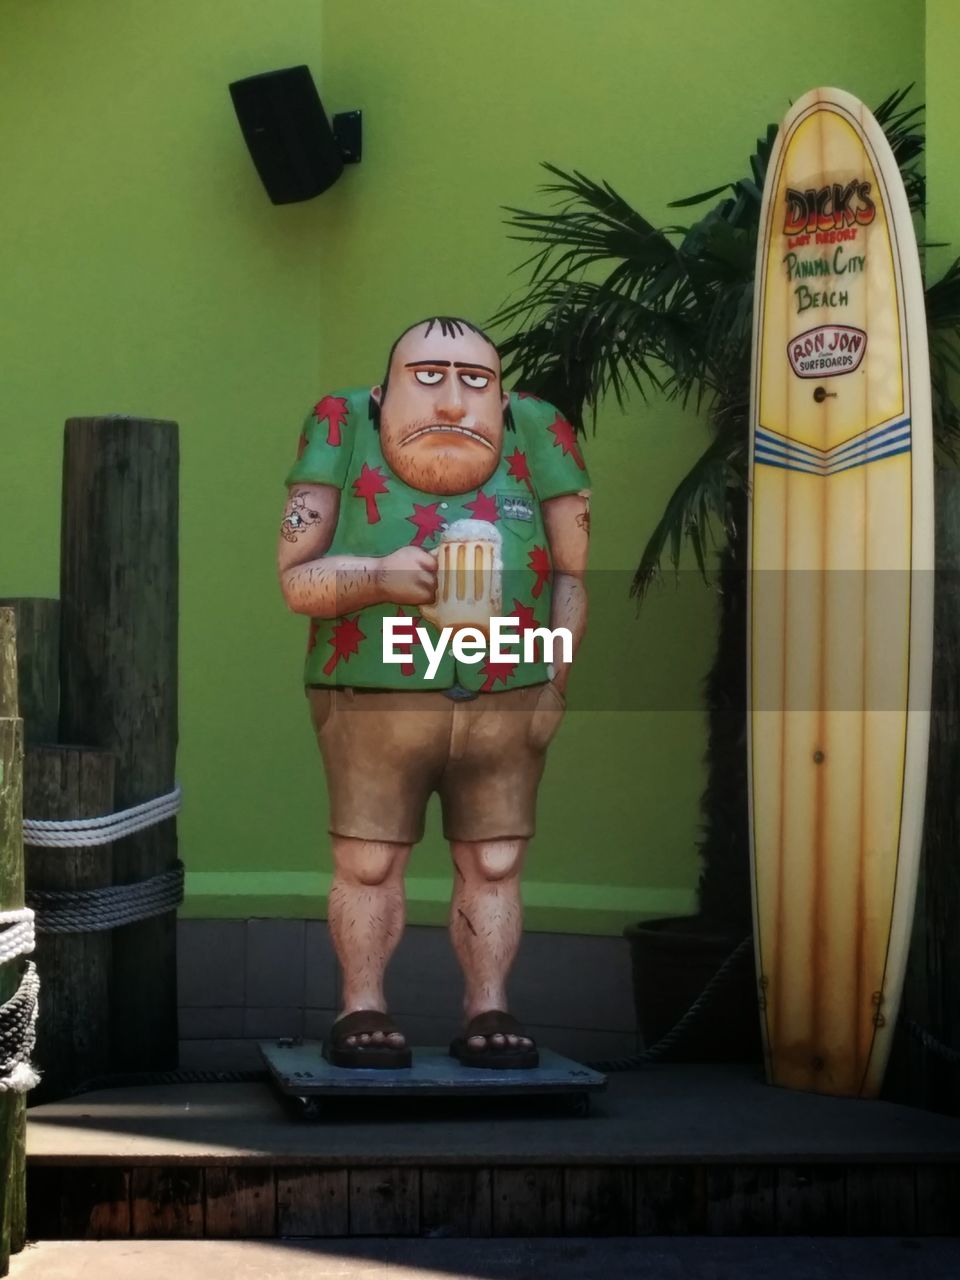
(670, 1149)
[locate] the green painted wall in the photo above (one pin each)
(145, 272)
(943, 172)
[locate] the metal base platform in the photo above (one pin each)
(300, 1071)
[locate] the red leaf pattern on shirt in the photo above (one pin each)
(565, 437)
(370, 483)
(519, 469)
(332, 410)
(345, 642)
(427, 520)
(400, 641)
(483, 508)
(539, 562)
(495, 671)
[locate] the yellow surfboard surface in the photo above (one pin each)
(840, 623)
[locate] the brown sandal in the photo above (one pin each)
(379, 1056)
(497, 1057)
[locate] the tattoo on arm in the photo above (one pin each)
(583, 519)
(298, 516)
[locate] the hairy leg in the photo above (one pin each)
(366, 912)
(486, 923)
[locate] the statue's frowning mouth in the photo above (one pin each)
(446, 428)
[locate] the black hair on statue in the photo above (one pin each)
(450, 327)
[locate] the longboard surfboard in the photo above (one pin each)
(840, 600)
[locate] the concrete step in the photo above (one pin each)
(686, 1258)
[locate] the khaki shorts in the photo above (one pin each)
(385, 752)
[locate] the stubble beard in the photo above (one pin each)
(441, 469)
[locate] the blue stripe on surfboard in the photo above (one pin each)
(786, 465)
(839, 451)
(777, 460)
(893, 453)
(782, 442)
(872, 448)
(873, 433)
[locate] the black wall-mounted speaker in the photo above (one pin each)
(287, 132)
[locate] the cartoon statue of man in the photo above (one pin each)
(437, 459)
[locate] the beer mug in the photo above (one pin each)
(469, 573)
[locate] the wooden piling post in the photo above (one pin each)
(118, 682)
(12, 1106)
(931, 995)
(937, 949)
(37, 621)
(73, 1030)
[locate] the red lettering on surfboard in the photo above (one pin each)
(827, 350)
(834, 237)
(829, 208)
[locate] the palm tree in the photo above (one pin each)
(615, 305)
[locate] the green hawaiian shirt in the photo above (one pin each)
(379, 513)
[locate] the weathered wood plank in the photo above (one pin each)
(12, 1183)
(73, 1031)
(38, 665)
(741, 1200)
(239, 1202)
(670, 1200)
(16, 1212)
(598, 1201)
(313, 1202)
(9, 693)
(881, 1200)
(938, 1199)
(456, 1202)
(811, 1200)
(170, 1202)
(118, 680)
(43, 1201)
(76, 1203)
(932, 987)
(96, 1204)
(167, 1202)
(528, 1202)
(384, 1202)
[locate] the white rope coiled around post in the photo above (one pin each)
(45, 833)
(18, 1017)
(18, 1034)
(17, 933)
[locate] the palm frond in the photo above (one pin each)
(696, 509)
(746, 193)
(904, 131)
(943, 330)
(615, 305)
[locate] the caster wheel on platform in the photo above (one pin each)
(579, 1104)
(308, 1108)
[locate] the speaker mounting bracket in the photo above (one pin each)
(348, 130)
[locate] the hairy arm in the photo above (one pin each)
(567, 521)
(323, 586)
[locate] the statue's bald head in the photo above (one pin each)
(442, 422)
